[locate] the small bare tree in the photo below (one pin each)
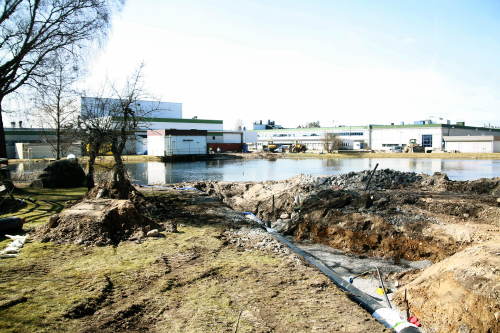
(56, 107)
(111, 120)
(33, 32)
(238, 126)
(331, 142)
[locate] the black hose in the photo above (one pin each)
(351, 280)
(12, 207)
(371, 175)
(383, 288)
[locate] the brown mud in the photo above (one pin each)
(403, 216)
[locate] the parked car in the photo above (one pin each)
(397, 149)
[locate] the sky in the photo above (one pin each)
(338, 62)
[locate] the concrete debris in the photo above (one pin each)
(153, 233)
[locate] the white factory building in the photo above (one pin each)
(23, 140)
(428, 133)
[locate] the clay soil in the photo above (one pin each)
(453, 224)
(216, 274)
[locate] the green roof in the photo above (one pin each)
(438, 125)
(178, 120)
(22, 132)
(345, 128)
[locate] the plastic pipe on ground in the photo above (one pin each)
(15, 206)
(388, 317)
(171, 188)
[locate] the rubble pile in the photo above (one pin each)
(251, 238)
(385, 178)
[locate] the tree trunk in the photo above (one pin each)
(120, 182)
(58, 149)
(90, 174)
(3, 143)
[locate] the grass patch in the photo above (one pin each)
(355, 154)
(48, 202)
(190, 281)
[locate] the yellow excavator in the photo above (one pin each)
(271, 147)
(297, 147)
(414, 147)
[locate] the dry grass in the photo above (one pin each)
(191, 281)
(459, 156)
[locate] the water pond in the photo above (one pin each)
(263, 169)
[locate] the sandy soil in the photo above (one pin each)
(404, 216)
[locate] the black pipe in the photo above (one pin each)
(383, 288)
(373, 307)
(371, 175)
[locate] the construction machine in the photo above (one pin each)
(297, 146)
(414, 147)
(271, 147)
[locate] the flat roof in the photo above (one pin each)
(471, 138)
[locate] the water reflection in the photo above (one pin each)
(260, 169)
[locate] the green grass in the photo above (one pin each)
(47, 203)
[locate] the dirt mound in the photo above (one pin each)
(479, 186)
(96, 222)
(61, 174)
(333, 218)
(458, 294)
(106, 190)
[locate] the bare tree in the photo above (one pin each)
(331, 142)
(33, 32)
(314, 124)
(56, 108)
(93, 127)
(111, 120)
(238, 126)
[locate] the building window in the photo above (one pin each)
(427, 140)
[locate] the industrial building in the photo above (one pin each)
(197, 136)
(30, 142)
(431, 135)
(473, 144)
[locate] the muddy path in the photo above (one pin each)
(402, 216)
(217, 273)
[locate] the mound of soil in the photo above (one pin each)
(96, 222)
(460, 293)
(61, 174)
(411, 216)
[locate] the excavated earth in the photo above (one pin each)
(99, 218)
(218, 273)
(454, 224)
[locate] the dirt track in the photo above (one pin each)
(218, 268)
(218, 273)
